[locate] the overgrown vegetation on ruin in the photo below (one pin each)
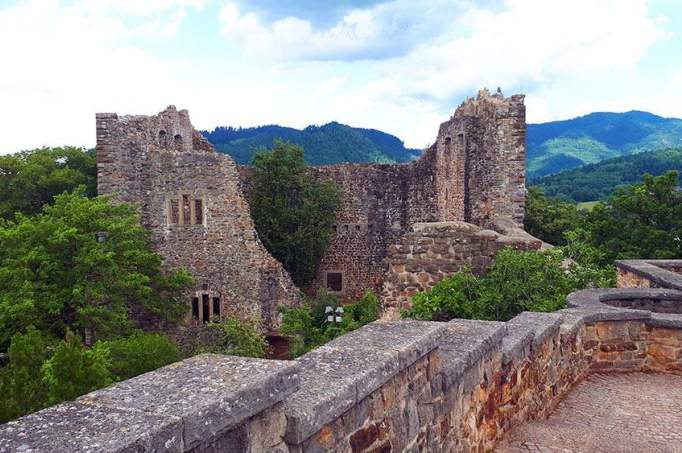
(517, 281)
(308, 326)
(292, 211)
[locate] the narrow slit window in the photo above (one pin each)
(174, 212)
(198, 211)
(216, 306)
(460, 139)
(186, 210)
(195, 308)
(335, 281)
(206, 312)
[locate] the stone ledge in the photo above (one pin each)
(338, 375)
(526, 332)
(652, 271)
(174, 408)
(465, 343)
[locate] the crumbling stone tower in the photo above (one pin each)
(191, 200)
(480, 161)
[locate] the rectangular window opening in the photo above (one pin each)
(195, 308)
(186, 210)
(174, 212)
(206, 312)
(216, 306)
(335, 281)
(198, 211)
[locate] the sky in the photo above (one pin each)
(401, 66)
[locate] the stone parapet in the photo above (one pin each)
(396, 386)
(650, 274)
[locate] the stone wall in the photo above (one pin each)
(433, 251)
(474, 172)
(650, 274)
(396, 386)
(191, 199)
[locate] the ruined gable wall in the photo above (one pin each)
(152, 160)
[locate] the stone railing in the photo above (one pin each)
(650, 274)
(396, 386)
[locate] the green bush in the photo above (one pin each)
(230, 336)
(139, 353)
(517, 281)
(74, 370)
(307, 326)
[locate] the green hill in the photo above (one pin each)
(597, 181)
(331, 143)
(563, 145)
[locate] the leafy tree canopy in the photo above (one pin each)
(292, 211)
(56, 275)
(31, 179)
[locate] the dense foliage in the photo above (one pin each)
(230, 336)
(293, 212)
(308, 327)
(598, 181)
(639, 221)
(56, 275)
(517, 281)
(43, 370)
(31, 179)
(73, 271)
(563, 145)
(331, 143)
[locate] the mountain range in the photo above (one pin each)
(597, 181)
(553, 147)
(563, 145)
(331, 143)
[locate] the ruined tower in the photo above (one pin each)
(191, 200)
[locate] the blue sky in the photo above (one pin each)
(400, 66)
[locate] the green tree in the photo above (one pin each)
(31, 179)
(640, 221)
(292, 211)
(74, 370)
(22, 390)
(230, 336)
(56, 275)
(139, 353)
(549, 218)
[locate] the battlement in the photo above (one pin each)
(398, 386)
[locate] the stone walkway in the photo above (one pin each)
(634, 412)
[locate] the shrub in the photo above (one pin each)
(307, 326)
(518, 281)
(230, 336)
(139, 353)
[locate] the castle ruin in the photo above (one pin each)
(470, 182)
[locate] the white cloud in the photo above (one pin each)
(386, 30)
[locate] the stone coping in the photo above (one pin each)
(596, 302)
(654, 271)
(338, 375)
(186, 404)
(173, 409)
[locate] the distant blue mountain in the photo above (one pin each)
(563, 145)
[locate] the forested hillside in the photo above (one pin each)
(563, 145)
(598, 181)
(328, 144)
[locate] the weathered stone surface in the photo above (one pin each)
(338, 375)
(157, 161)
(650, 274)
(175, 408)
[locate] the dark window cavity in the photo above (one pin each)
(335, 281)
(195, 307)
